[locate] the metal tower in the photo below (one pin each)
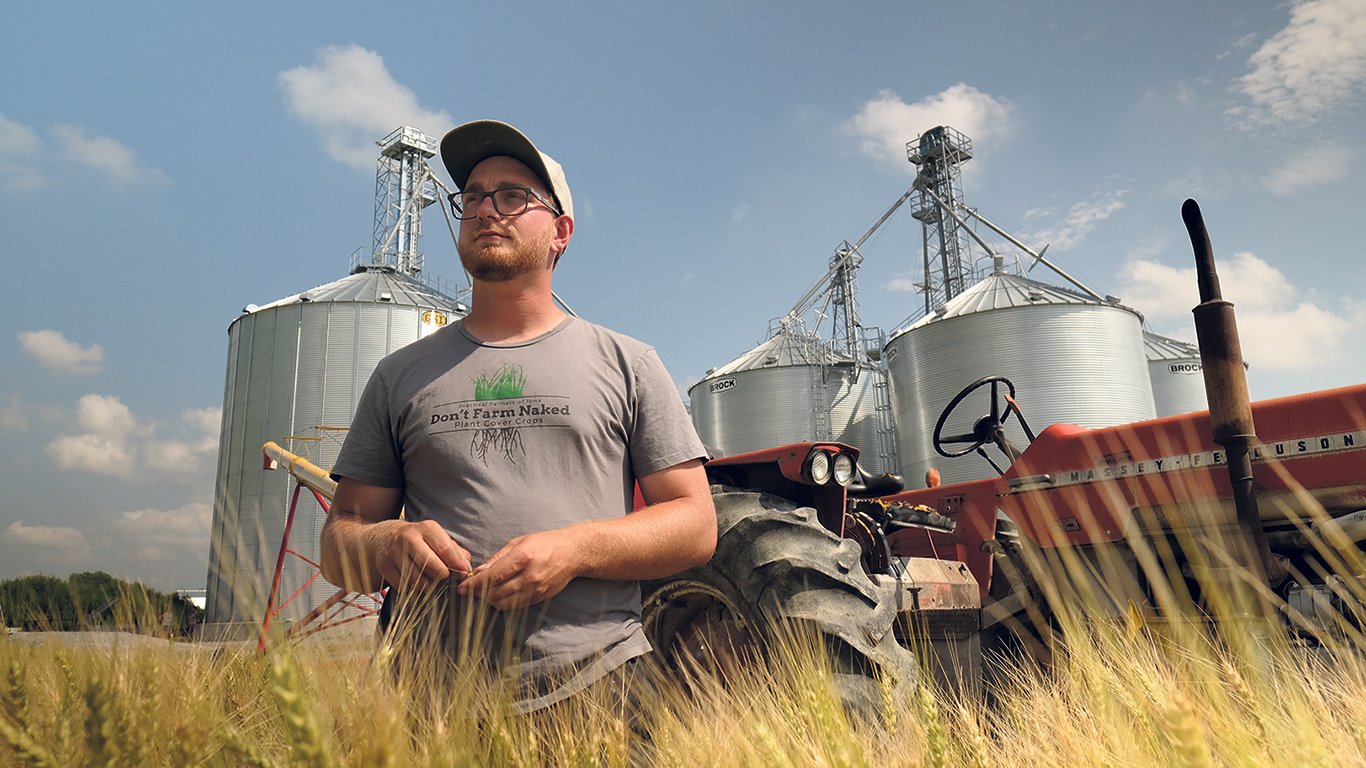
(404, 185)
(948, 271)
(839, 288)
(847, 329)
(949, 265)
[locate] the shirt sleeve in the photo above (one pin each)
(371, 453)
(662, 434)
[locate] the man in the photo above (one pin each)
(513, 440)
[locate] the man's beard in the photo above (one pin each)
(504, 260)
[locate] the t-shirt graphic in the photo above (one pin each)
(498, 414)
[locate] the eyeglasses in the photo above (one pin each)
(511, 201)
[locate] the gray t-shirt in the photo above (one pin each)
(494, 441)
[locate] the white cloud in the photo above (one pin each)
(107, 444)
(207, 420)
(14, 416)
(93, 452)
(166, 549)
(115, 160)
(1238, 45)
(886, 124)
(23, 158)
(1278, 330)
(162, 536)
(202, 426)
(1322, 163)
(59, 355)
(1210, 181)
(906, 284)
(1294, 337)
(107, 415)
(17, 139)
(351, 98)
(1080, 220)
(112, 441)
(66, 545)
(1165, 295)
(1186, 95)
(739, 213)
(20, 157)
(1309, 68)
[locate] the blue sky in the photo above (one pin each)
(162, 165)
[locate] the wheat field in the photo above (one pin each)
(1115, 696)
(1222, 679)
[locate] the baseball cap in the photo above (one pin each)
(470, 144)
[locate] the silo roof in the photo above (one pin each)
(377, 283)
(1004, 291)
(784, 348)
(1164, 348)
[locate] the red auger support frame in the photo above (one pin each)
(325, 615)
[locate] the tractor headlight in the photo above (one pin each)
(844, 469)
(818, 467)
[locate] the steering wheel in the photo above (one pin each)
(988, 429)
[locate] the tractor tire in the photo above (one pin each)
(775, 566)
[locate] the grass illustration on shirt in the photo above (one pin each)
(506, 384)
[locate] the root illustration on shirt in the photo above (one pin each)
(506, 440)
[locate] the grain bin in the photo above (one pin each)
(793, 388)
(293, 365)
(1177, 377)
(1073, 358)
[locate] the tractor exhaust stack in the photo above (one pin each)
(1230, 408)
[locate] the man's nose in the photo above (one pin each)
(492, 212)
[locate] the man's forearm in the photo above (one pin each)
(348, 554)
(651, 543)
(675, 531)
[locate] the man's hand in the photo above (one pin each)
(416, 556)
(364, 543)
(527, 570)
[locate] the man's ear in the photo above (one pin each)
(564, 230)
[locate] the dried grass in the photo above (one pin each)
(1238, 690)
(1115, 700)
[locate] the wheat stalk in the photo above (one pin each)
(305, 734)
(237, 741)
(16, 698)
(24, 746)
(65, 733)
(976, 744)
(1187, 731)
(101, 728)
(936, 745)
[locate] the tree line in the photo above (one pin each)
(91, 601)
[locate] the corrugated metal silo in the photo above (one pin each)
(794, 388)
(293, 365)
(1177, 375)
(1072, 358)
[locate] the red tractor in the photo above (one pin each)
(805, 535)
